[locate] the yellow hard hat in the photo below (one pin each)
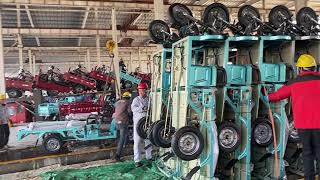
(126, 94)
(306, 60)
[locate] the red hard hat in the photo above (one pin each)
(142, 86)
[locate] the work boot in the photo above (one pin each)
(138, 164)
(118, 159)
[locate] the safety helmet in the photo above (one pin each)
(142, 86)
(126, 94)
(306, 60)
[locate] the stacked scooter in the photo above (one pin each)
(208, 115)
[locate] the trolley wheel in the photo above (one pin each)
(229, 137)
(262, 132)
(214, 11)
(245, 16)
(150, 132)
(303, 17)
(278, 15)
(52, 143)
(159, 31)
(142, 128)
(158, 133)
(177, 11)
(187, 143)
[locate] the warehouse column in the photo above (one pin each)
(34, 64)
(2, 75)
(20, 46)
(116, 52)
(88, 60)
(131, 63)
(139, 58)
(98, 50)
(300, 4)
(30, 61)
(158, 9)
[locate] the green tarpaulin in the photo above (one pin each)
(118, 171)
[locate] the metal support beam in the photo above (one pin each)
(98, 50)
(20, 46)
(31, 23)
(83, 25)
(72, 32)
(116, 52)
(2, 75)
(88, 60)
(18, 16)
(248, 2)
(159, 10)
(34, 64)
(30, 61)
(139, 59)
(131, 62)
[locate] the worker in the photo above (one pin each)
(305, 93)
(122, 66)
(121, 116)
(4, 120)
(139, 108)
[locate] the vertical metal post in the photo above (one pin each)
(116, 52)
(158, 9)
(98, 50)
(20, 46)
(88, 60)
(34, 64)
(131, 64)
(2, 74)
(30, 60)
(139, 58)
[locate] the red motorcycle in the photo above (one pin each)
(104, 81)
(79, 80)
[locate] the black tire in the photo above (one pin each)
(181, 141)
(229, 137)
(14, 93)
(302, 20)
(175, 17)
(157, 134)
(274, 17)
(189, 30)
(52, 93)
(149, 134)
(52, 143)
(244, 20)
(142, 129)
(262, 132)
(155, 31)
(293, 134)
(2, 136)
(216, 9)
(78, 89)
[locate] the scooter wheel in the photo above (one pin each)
(177, 11)
(150, 132)
(262, 132)
(214, 11)
(293, 133)
(52, 143)
(142, 128)
(158, 135)
(303, 17)
(278, 15)
(187, 143)
(229, 137)
(157, 30)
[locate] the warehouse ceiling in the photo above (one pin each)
(65, 23)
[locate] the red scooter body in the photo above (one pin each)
(78, 79)
(51, 86)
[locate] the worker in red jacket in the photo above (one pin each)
(305, 94)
